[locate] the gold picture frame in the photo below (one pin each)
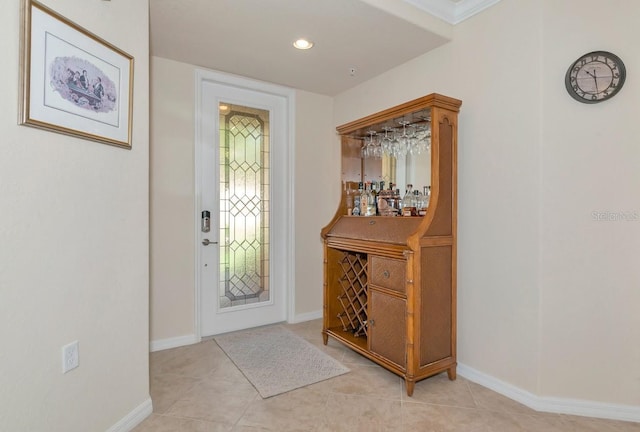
(72, 81)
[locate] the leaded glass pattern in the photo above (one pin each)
(244, 205)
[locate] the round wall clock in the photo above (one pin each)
(595, 77)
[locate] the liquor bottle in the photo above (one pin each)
(364, 201)
(427, 195)
(348, 193)
(421, 203)
(356, 201)
(408, 202)
(372, 209)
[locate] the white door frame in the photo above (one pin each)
(287, 262)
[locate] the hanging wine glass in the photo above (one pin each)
(401, 147)
(425, 142)
(375, 150)
(418, 136)
(367, 147)
(394, 143)
(423, 135)
(386, 141)
(364, 150)
(412, 140)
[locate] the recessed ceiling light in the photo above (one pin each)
(303, 44)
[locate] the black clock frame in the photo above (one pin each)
(614, 58)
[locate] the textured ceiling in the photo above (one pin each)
(355, 40)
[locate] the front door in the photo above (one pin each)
(242, 255)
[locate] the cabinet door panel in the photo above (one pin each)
(387, 319)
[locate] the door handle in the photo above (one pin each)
(206, 242)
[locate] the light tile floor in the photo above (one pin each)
(198, 389)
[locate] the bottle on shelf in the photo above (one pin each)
(397, 201)
(427, 193)
(349, 195)
(386, 204)
(421, 203)
(364, 201)
(409, 202)
(356, 200)
(417, 200)
(372, 209)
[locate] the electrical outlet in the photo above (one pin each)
(70, 357)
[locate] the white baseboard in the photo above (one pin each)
(175, 342)
(134, 418)
(552, 404)
(309, 316)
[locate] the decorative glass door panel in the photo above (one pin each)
(243, 177)
(244, 205)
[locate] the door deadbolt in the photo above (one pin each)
(206, 221)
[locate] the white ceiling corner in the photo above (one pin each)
(453, 11)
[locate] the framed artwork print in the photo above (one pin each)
(72, 81)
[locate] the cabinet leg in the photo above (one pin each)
(325, 338)
(410, 384)
(451, 372)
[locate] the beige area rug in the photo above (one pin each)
(276, 361)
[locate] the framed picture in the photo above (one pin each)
(72, 81)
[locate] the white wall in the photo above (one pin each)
(547, 296)
(172, 200)
(590, 278)
(73, 249)
(317, 194)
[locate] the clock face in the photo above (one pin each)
(595, 77)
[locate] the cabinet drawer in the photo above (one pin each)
(387, 273)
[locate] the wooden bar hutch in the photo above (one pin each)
(390, 282)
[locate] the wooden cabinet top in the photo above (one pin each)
(411, 110)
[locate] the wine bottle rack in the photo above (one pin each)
(353, 298)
